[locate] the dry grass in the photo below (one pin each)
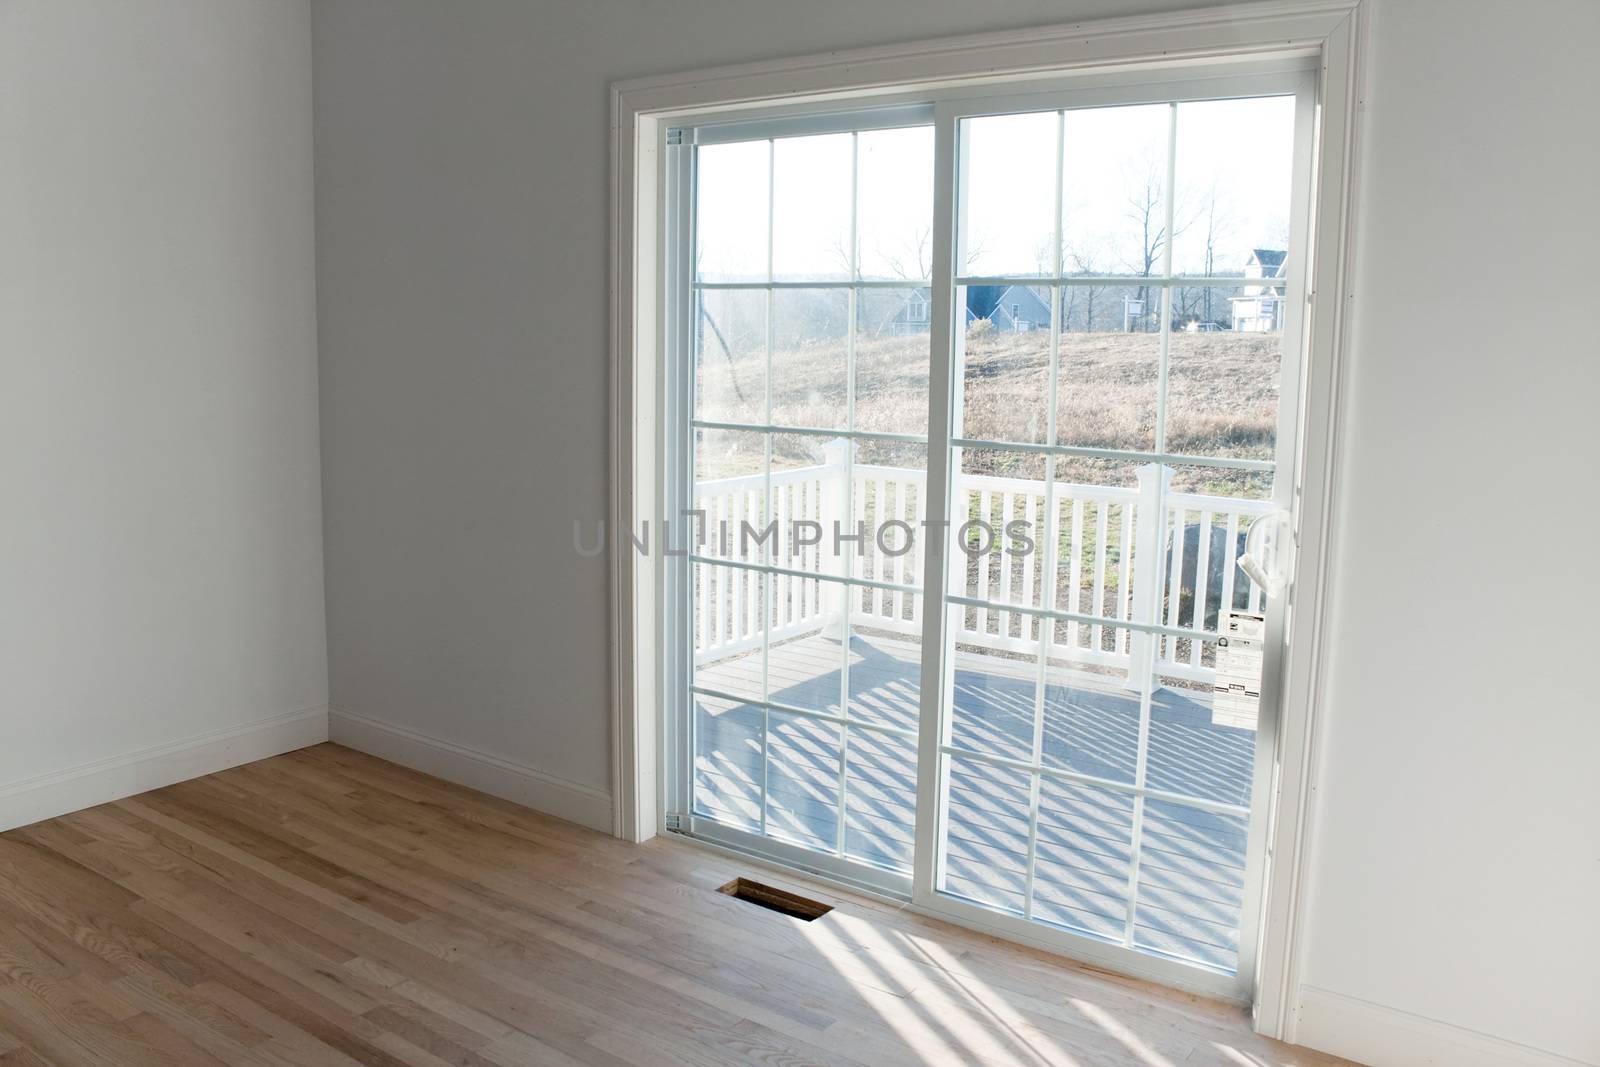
(1222, 399)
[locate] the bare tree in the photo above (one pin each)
(1219, 223)
(913, 260)
(1147, 210)
(1147, 213)
(1081, 298)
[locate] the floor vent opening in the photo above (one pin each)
(778, 900)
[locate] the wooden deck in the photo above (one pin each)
(327, 909)
(1190, 878)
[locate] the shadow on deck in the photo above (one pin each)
(1189, 884)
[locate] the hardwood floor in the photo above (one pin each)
(325, 907)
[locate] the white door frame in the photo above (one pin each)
(642, 110)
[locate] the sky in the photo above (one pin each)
(1233, 163)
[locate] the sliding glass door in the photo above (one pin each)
(810, 334)
(983, 401)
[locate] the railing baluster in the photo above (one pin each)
(1174, 582)
(780, 591)
(1125, 576)
(985, 513)
(1099, 608)
(811, 557)
(723, 590)
(740, 577)
(702, 606)
(1075, 579)
(1202, 561)
(819, 512)
(1036, 530)
(1008, 560)
(1230, 567)
(859, 512)
(898, 562)
(802, 553)
(911, 502)
(754, 507)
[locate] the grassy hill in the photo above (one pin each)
(1222, 400)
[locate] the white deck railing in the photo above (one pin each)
(1106, 558)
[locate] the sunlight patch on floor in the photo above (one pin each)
(1124, 1036)
(992, 1002)
(976, 1026)
(897, 1011)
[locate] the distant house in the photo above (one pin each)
(1259, 308)
(915, 316)
(1011, 308)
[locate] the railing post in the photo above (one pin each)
(1148, 524)
(835, 516)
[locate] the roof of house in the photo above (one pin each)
(1269, 257)
(984, 300)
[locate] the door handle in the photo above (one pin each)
(1265, 559)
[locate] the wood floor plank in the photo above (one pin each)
(328, 909)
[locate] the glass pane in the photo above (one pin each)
(1222, 385)
(1008, 201)
(1084, 848)
(1203, 743)
(727, 762)
(1219, 485)
(1201, 580)
(880, 799)
(1000, 540)
(1203, 309)
(992, 701)
(727, 646)
(895, 203)
(805, 660)
(1191, 884)
(729, 491)
(731, 183)
(1113, 190)
(892, 353)
(1004, 362)
(986, 834)
(1234, 169)
(1091, 712)
(807, 481)
(803, 780)
(1097, 511)
(731, 356)
(1110, 366)
(811, 208)
(889, 491)
(810, 358)
(885, 676)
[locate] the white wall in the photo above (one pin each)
(160, 516)
(461, 224)
(461, 263)
(1457, 844)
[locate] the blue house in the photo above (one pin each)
(1011, 308)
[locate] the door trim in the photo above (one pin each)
(642, 110)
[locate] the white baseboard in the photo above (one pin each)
(60, 792)
(1386, 1037)
(486, 773)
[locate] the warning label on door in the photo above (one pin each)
(1241, 650)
